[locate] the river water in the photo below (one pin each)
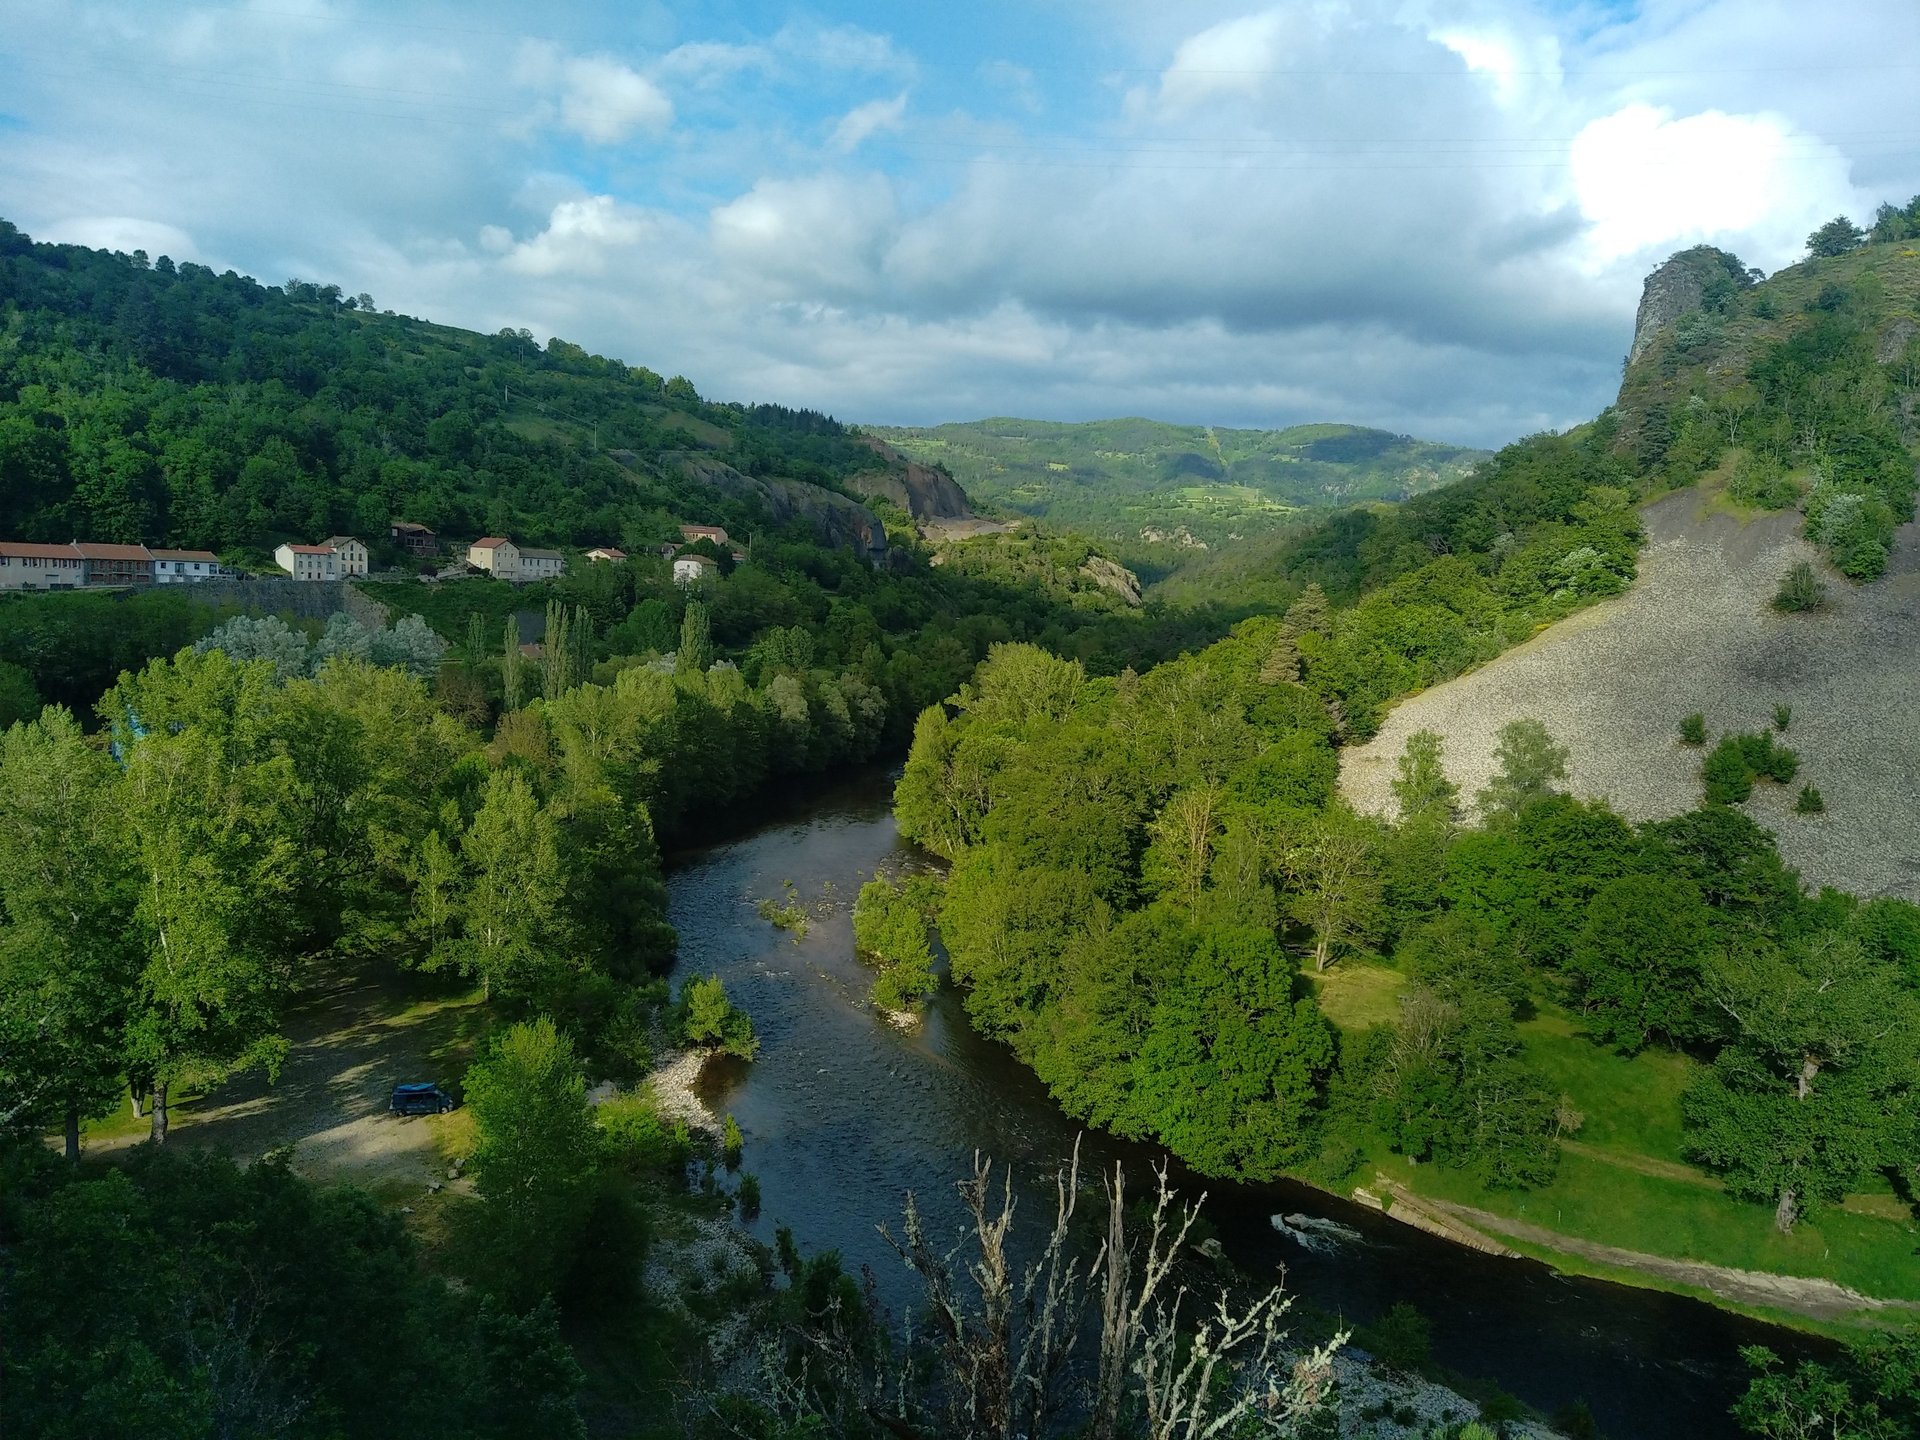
(843, 1115)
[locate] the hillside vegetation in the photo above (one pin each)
(1163, 488)
(144, 401)
(1801, 387)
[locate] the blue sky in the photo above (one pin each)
(1429, 215)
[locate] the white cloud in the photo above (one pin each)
(581, 237)
(1230, 58)
(865, 121)
(125, 233)
(1649, 182)
(819, 238)
(604, 101)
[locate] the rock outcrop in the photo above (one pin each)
(930, 496)
(1113, 576)
(836, 520)
(1677, 287)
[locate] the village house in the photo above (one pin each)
(414, 539)
(688, 569)
(115, 564)
(691, 533)
(541, 564)
(607, 553)
(349, 557)
(496, 555)
(25, 566)
(307, 562)
(183, 567)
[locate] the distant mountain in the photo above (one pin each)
(1144, 482)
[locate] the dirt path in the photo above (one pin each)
(1796, 1294)
(352, 1041)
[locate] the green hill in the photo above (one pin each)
(144, 401)
(1142, 482)
(1798, 390)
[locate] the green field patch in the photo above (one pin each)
(1358, 997)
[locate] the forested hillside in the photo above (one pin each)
(1797, 390)
(1159, 489)
(1157, 900)
(142, 400)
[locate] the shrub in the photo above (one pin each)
(1810, 802)
(1782, 716)
(1762, 483)
(1401, 1339)
(732, 1143)
(1738, 760)
(1693, 729)
(636, 1131)
(749, 1196)
(707, 1017)
(1800, 590)
(1725, 773)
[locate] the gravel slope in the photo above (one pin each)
(1696, 633)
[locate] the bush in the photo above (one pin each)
(1738, 760)
(1401, 1339)
(1810, 802)
(1782, 716)
(1800, 590)
(1693, 729)
(640, 1137)
(707, 1017)
(1726, 775)
(1762, 483)
(732, 1143)
(749, 1196)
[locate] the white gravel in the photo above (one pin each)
(1697, 633)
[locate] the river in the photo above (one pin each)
(843, 1114)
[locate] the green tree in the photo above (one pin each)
(513, 909)
(67, 969)
(695, 655)
(708, 1018)
(1836, 237)
(211, 921)
(1638, 964)
(1420, 784)
(1530, 764)
(1232, 1073)
(535, 1155)
(1816, 1086)
(1333, 869)
(513, 667)
(19, 697)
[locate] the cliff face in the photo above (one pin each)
(927, 494)
(836, 520)
(1678, 286)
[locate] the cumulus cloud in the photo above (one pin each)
(865, 121)
(1430, 217)
(1648, 179)
(605, 101)
(581, 237)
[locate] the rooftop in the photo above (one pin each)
(204, 555)
(24, 550)
(95, 551)
(489, 542)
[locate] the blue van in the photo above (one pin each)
(420, 1098)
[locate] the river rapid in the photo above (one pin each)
(844, 1114)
